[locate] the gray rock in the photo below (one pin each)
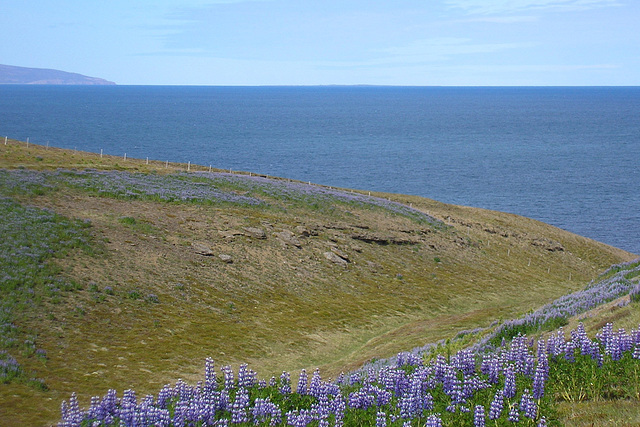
(230, 234)
(340, 254)
(335, 259)
(201, 249)
(255, 233)
(225, 258)
(288, 238)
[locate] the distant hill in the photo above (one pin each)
(21, 75)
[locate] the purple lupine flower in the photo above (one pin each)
(210, 373)
(433, 421)
(381, 419)
(299, 418)
(407, 406)
(464, 361)
(540, 377)
(528, 405)
(514, 414)
(229, 381)
(321, 410)
(246, 377)
(427, 402)
(495, 410)
(509, 382)
(285, 383)
(491, 367)
(338, 406)
(361, 399)
(478, 416)
(302, 383)
(240, 407)
(315, 387)
(224, 401)
(264, 410)
(636, 352)
(542, 422)
(606, 337)
(72, 416)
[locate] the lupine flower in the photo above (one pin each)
(433, 421)
(540, 376)
(478, 416)
(514, 414)
(495, 410)
(509, 382)
(528, 406)
(240, 407)
(302, 383)
(210, 373)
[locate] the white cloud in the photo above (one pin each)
(499, 19)
(443, 47)
(487, 7)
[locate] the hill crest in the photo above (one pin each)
(10, 74)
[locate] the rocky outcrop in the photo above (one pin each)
(383, 240)
(334, 258)
(226, 258)
(201, 249)
(288, 238)
(255, 233)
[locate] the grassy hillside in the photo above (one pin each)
(170, 264)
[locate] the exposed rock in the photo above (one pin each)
(335, 258)
(305, 232)
(356, 248)
(288, 238)
(225, 258)
(383, 240)
(340, 254)
(230, 234)
(201, 249)
(336, 226)
(255, 233)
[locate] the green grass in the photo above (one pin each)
(276, 306)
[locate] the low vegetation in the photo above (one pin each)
(148, 268)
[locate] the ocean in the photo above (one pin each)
(568, 156)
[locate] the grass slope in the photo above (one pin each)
(147, 306)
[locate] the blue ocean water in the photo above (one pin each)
(566, 156)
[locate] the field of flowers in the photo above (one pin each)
(27, 277)
(214, 188)
(504, 379)
(515, 383)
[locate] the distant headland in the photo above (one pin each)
(40, 76)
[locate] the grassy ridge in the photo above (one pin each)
(151, 307)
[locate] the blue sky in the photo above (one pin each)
(298, 42)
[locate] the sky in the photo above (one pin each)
(329, 42)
